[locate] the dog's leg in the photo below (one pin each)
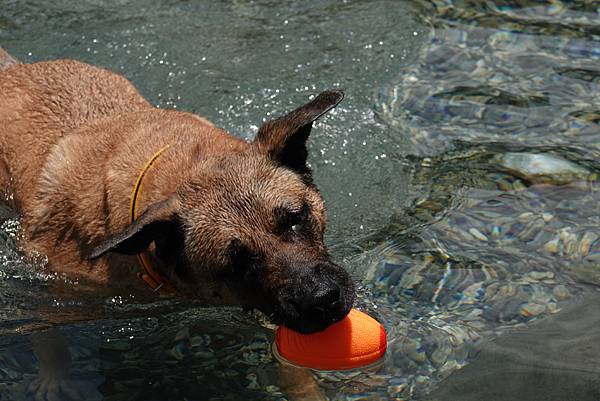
(54, 358)
(52, 382)
(6, 60)
(299, 384)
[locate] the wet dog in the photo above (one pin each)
(110, 187)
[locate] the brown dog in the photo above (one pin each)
(99, 176)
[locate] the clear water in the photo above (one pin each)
(460, 175)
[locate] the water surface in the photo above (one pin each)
(460, 175)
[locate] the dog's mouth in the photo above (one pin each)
(308, 301)
(312, 323)
(310, 320)
(307, 325)
(313, 305)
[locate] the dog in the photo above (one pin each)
(110, 188)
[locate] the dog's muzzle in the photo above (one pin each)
(314, 300)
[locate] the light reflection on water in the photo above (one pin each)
(460, 175)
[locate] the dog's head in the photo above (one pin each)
(247, 228)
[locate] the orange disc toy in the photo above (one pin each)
(355, 341)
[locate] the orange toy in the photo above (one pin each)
(355, 341)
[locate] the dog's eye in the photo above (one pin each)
(292, 220)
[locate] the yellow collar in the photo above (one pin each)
(154, 280)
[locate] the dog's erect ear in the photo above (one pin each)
(284, 139)
(156, 223)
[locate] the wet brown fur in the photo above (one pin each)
(73, 140)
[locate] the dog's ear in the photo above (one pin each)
(157, 223)
(284, 139)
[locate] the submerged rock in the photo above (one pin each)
(542, 168)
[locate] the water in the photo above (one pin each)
(460, 175)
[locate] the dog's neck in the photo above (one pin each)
(151, 276)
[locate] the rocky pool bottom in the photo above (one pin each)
(486, 269)
(460, 174)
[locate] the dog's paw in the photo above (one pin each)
(49, 388)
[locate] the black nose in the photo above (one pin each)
(317, 299)
(321, 303)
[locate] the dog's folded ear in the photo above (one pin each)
(284, 138)
(157, 223)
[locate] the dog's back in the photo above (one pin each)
(41, 102)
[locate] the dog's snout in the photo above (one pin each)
(320, 297)
(322, 302)
(329, 296)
